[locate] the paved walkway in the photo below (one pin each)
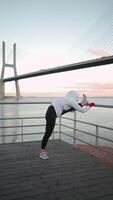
(69, 174)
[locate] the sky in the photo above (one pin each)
(51, 33)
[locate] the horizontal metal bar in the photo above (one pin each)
(24, 126)
(48, 102)
(100, 126)
(103, 106)
(36, 133)
(85, 142)
(99, 137)
(39, 133)
(77, 139)
(83, 122)
(19, 126)
(67, 118)
(20, 102)
(67, 135)
(103, 138)
(87, 133)
(108, 128)
(12, 118)
(65, 68)
(19, 134)
(9, 65)
(67, 126)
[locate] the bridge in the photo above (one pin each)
(69, 67)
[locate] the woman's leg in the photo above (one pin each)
(50, 124)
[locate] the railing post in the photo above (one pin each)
(60, 128)
(22, 130)
(74, 128)
(96, 141)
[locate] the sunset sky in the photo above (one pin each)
(51, 33)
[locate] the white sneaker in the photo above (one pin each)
(43, 155)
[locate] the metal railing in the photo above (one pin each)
(79, 140)
(21, 123)
(19, 129)
(15, 127)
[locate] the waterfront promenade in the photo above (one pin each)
(69, 174)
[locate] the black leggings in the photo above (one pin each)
(50, 124)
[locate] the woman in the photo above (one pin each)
(58, 108)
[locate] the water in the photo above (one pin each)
(100, 116)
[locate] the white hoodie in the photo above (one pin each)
(67, 102)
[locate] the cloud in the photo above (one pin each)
(99, 52)
(93, 89)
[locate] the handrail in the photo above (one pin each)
(25, 102)
(103, 106)
(46, 102)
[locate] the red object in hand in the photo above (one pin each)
(91, 104)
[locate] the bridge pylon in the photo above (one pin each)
(4, 65)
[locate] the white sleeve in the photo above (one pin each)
(77, 107)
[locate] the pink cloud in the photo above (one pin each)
(93, 89)
(99, 52)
